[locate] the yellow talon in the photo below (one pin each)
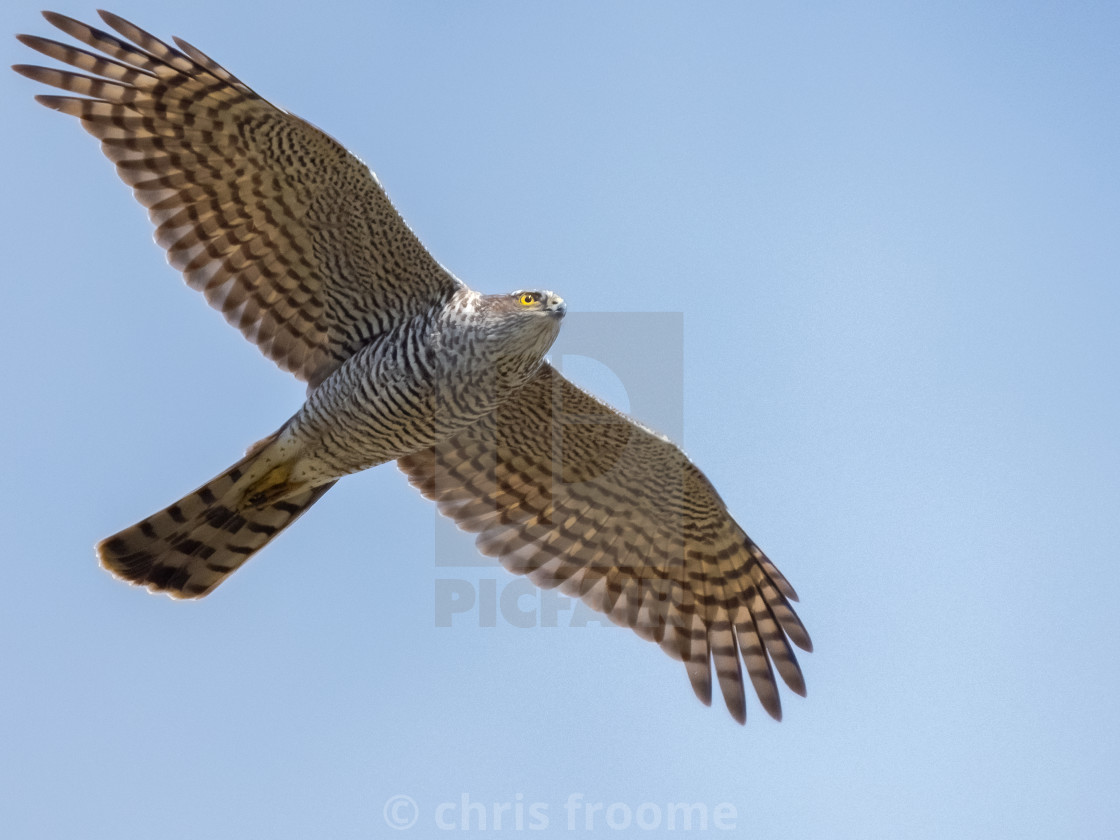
(273, 487)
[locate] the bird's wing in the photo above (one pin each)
(285, 232)
(561, 487)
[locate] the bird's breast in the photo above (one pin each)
(396, 396)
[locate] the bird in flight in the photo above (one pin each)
(293, 240)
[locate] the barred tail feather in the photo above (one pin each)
(190, 547)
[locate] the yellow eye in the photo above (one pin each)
(528, 299)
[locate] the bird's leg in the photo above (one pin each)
(274, 486)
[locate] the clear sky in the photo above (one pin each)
(891, 235)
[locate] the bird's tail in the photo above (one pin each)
(190, 547)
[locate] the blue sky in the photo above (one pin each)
(886, 236)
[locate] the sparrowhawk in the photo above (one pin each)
(294, 241)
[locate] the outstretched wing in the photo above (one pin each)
(563, 488)
(285, 232)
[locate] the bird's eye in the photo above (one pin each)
(528, 299)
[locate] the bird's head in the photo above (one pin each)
(523, 324)
(541, 302)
